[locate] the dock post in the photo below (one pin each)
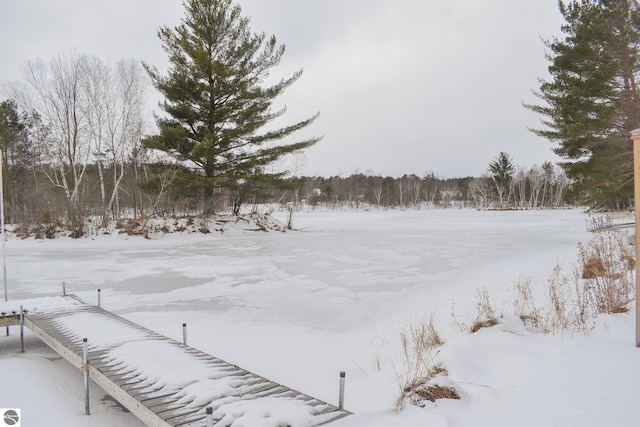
(341, 394)
(98, 298)
(21, 329)
(64, 289)
(209, 416)
(184, 333)
(85, 369)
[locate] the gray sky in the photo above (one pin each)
(403, 86)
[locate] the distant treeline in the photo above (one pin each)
(537, 187)
(34, 194)
(63, 177)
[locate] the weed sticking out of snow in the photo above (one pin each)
(601, 283)
(422, 376)
(486, 313)
(608, 264)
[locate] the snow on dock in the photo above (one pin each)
(162, 381)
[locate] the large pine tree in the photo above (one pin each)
(502, 170)
(591, 101)
(11, 129)
(217, 100)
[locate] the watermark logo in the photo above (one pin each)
(10, 417)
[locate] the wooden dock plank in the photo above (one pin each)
(199, 418)
(155, 398)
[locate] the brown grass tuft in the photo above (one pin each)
(485, 313)
(592, 268)
(420, 370)
(432, 393)
(483, 324)
(609, 286)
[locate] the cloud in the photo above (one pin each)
(403, 87)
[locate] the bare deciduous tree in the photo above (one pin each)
(480, 191)
(115, 110)
(56, 93)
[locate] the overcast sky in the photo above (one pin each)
(403, 86)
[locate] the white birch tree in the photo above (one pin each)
(55, 91)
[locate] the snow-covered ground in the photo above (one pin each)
(299, 307)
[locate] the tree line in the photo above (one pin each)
(525, 188)
(119, 178)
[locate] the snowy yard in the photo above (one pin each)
(300, 307)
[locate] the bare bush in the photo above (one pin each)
(524, 306)
(421, 370)
(486, 314)
(559, 295)
(608, 264)
(602, 281)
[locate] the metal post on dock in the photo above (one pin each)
(85, 369)
(64, 289)
(184, 333)
(341, 394)
(209, 416)
(98, 298)
(21, 329)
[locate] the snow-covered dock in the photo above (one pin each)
(162, 381)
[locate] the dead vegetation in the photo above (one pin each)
(153, 226)
(602, 281)
(420, 393)
(608, 273)
(479, 324)
(422, 376)
(486, 314)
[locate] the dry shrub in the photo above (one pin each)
(592, 268)
(486, 314)
(602, 281)
(47, 229)
(203, 224)
(479, 324)
(130, 227)
(524, 306)
(566, 308)
(608, 279)
(420, 372)
(432, 393)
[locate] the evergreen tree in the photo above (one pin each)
(218, 102)
(11, 129)
(591, 101)
(502, 170)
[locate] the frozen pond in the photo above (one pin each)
(300, 306)
(336, 271)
